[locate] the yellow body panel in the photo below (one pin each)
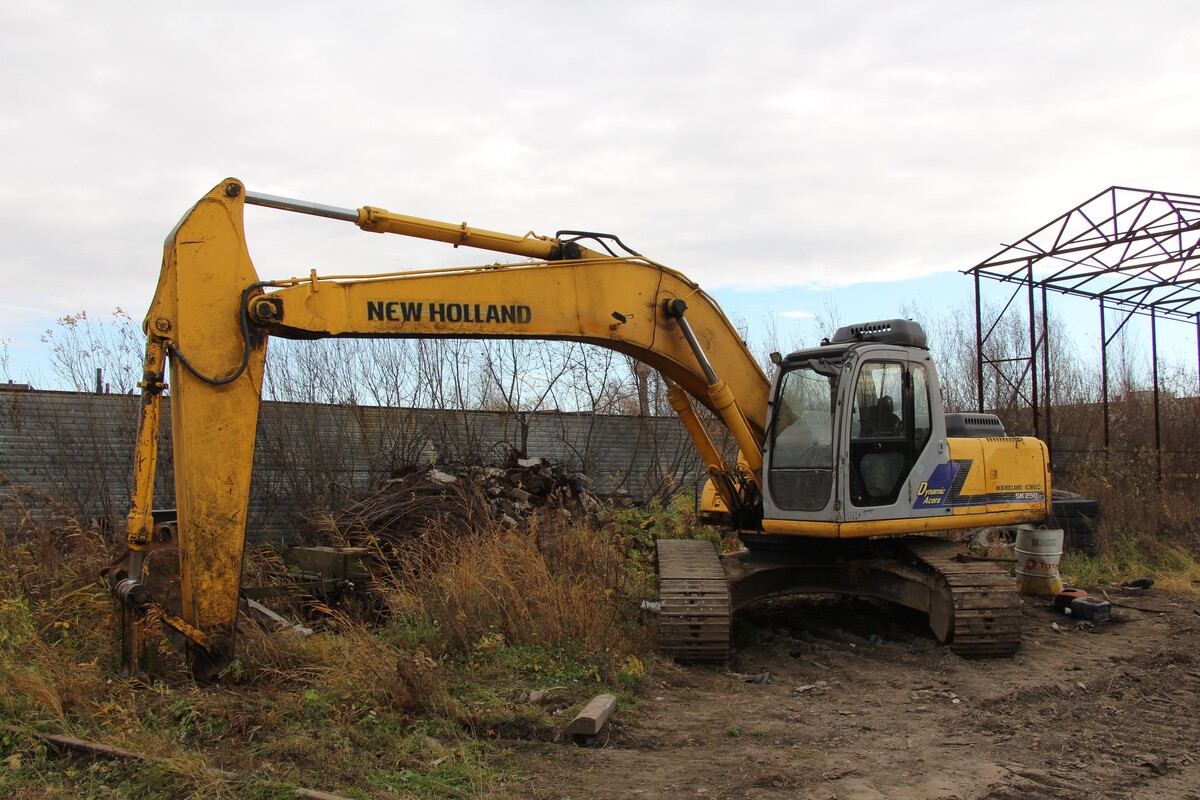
(1009, 473)
(987, 481)
(611, 302)
(197, 315)
(895, 527)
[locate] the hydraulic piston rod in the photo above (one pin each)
(301, 206)
(719, 393)
(378, 220)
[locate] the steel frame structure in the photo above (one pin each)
(1132, 250)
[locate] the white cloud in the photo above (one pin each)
(763, 145)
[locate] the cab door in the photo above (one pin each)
(801, 459)
(888, 435)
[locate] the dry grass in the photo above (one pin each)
(1145, 529)
(402, 703)
(51, 606)
(403, 707)
(554, 586)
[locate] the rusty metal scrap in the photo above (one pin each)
(452, 500)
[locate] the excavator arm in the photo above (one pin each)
(212, 316)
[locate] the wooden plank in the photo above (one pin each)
(692, 584)
(994, 580)
(593, 717)
(83, 745)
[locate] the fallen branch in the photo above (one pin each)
(109, 751)
(1127, 605)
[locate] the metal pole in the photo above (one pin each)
(1033, 371)
(379, 220)
(1046, 372)
(1104, 377)
(979, 342)
(1158, 473)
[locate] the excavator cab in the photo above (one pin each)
(856, 460)
(852, 426)
(857, 446)
(890, 427)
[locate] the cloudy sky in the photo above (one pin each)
(791, 157)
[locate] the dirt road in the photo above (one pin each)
(861, 705)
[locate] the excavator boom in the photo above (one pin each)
(212, 316)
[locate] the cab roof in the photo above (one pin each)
(903, 332)
(889, 331)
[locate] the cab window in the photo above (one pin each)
(801, 446)
(922, 416)
(879, 401)
(890, 425)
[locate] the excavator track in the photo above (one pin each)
(986, 619)
(695, 615)
(973, 606)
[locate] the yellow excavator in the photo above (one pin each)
(847, 462)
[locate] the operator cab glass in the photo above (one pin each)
(851, 423)
(802, 436)
(889, 426)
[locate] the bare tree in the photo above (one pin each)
(96, 354)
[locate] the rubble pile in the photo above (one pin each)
(455, 499)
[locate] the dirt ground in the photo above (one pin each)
(861, 704)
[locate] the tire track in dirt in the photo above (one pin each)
(1122, 729)
(862, 704)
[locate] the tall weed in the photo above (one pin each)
(553, 585)
(1145, 528)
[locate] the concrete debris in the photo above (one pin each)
(819, 686)
(761, 678)
(437, 476)
(454, 500)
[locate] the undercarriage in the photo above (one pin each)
(971, 605)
